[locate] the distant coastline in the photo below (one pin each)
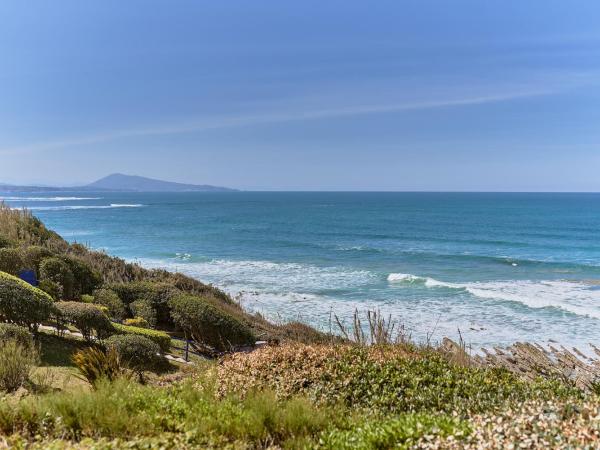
(121, 183)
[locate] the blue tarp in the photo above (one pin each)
(28, 276)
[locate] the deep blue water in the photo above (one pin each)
(499, 267)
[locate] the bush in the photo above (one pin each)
(108, 298)
(33, 256)
(85, 278)
(51, 288)
(12, 332)
(380, 379)
(17, 362)
(155, 294)
(159, 337)
(130, 292)
(137, 322)
(137, 353)
(402, 432)
(87, 318)
(22, 303)
(58, 271)
(209, 325)
(95, 364)
(144, 310)
(10, 261)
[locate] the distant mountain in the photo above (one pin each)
(120, 182)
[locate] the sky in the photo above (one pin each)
(458, 95)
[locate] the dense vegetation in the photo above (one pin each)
(83, 365)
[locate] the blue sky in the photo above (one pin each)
(311, 95)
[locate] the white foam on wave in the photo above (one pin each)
(404, 278)
(47, 199)
(268, 275)
(75, 207)
(571, 296)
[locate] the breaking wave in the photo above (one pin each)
(573, 297)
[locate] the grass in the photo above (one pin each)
(124, 409)
(57, 351)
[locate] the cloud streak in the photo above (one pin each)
(223, 122)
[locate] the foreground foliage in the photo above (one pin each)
(391, 378)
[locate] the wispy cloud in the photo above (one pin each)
(222, 122)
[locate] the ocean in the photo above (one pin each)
(498, 267)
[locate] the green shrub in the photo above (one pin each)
(87, 318)
(158, 298)
(16, 364)
(33, 256)
(137, 353)
(209, 325)
(402, 432)
(51, 288)
(10, 261)
(425, 382)
(12, 332)
(85, 278)
(130, 292)
(144, 310)
(95, 364)
(58, 271)
(108, 298)
(22, 303)
(86, 298)
(380, 379)
(160, 337)
(156, 294)
(137, 322)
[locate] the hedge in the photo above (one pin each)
(22, 303)
(208, 324)
(160, 337)
(137, 353)
(87, 318)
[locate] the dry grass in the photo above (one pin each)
(380, 330)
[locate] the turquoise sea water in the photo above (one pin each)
(499, 267)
